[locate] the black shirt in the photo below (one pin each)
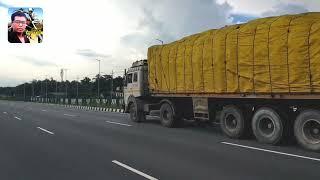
(13, 38)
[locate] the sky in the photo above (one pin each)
(118, 32)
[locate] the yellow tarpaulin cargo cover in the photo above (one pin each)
(269, 55)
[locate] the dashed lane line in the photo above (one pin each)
(271, 151)
(45, 130)
(18, 118)
(134, 170)
(118, 123)
(70, 115)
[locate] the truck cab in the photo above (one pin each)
(135, 82)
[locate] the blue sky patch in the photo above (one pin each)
(242, 18)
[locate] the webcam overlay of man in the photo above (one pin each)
(24, 27)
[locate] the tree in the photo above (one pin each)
(87, 88)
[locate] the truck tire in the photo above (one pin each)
(307, 129)
(168, 117)
(135, 114)
(233, 122)
(267, 126)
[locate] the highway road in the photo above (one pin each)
(40, 141)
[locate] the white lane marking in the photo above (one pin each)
(70, 115)
(118, 123)
(17, 118)
(45, 130)
(134, 170)
(44, 110)
(270, 151)
(5, 113)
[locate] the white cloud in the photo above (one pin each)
(250, 6)
(89, 53)
(169, 20)
(262, 6)
(281, 9)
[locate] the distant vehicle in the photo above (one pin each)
(261, 77)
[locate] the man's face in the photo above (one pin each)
(19, 24)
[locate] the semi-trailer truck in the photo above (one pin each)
(261, 77)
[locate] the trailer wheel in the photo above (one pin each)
(168, 117)
(307, 129)
(233, 122)
(267, 126)
(135, 114)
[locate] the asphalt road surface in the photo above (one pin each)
(39, 141)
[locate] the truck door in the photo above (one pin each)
(127, 90)
(134, 87)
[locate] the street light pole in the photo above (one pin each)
(56, 91)
(46, 88)
(77, 87)
(32, 88)
(66, 82)
(99, 79)
(41, 90)
(24, 91)
(160, 41)
(111, 83)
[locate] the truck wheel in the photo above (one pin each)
(232, 122)
(135, 115)
(168, 117)
(267, 126)
(307, 129)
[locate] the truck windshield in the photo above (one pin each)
(135, 77)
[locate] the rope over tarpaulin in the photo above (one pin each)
(268, 55)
